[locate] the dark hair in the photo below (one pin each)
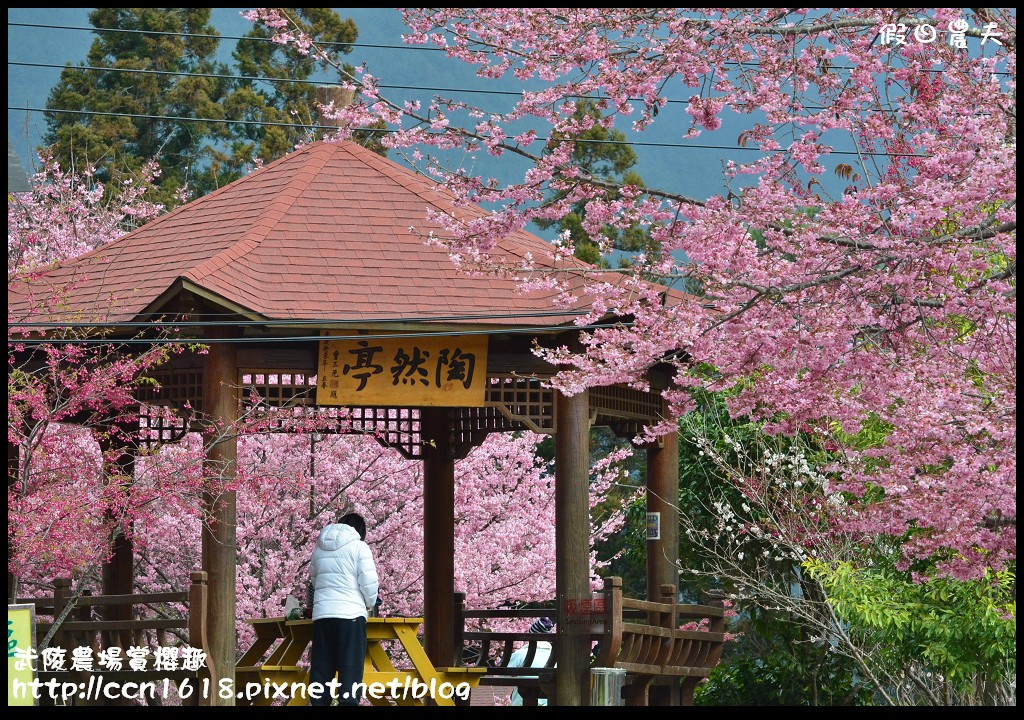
(356, 521)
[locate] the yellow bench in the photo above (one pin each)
(386, 684)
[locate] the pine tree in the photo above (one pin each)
(282, 102)
(118, 146)
(200, 155)
(606, 156)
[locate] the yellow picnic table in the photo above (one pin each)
(281, 666)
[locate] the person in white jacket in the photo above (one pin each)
(542, 626)
(344, 590)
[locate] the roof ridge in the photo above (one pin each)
(389, 166)
(431, 191)
(268, 218)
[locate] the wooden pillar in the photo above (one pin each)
(438, 537)
(119, 571)
(572, 544)
(221, 405)
(663, 551)
(663, 498)
(13, 467)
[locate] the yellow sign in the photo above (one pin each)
(21, 621)
(443, 371)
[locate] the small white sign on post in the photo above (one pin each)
(654, 526)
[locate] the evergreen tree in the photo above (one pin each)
(604, 156)
(201, 155)
(282, 102)
(119, 145)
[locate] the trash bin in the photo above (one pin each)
(606, 686)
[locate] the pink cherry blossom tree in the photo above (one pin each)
(65, 502)
(65, 214)
(861, 265)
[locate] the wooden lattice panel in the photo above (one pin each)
(470, 426)
(177, 389)
(619, 401)
(397, 428)
(511, 403)
(282, 388)
(522, 400)
(160, 424)
(290, 397)
(281, 399)
(166, 409)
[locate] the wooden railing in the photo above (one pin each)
(645, 639)
(80, 628)
(492, 650)
(642, 637)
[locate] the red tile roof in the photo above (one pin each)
(323, 233)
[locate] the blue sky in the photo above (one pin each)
(693, 172)
(689, 170)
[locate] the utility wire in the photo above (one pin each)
(175, 118)
(385, 86)
(307, 338)
(638, 143)
(267, 79)
(215, 37)
(411, 318)
(303, 321)
(338, 44)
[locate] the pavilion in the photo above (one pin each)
(319, 243)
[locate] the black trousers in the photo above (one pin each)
(339, 646)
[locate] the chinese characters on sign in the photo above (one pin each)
(424, 371)
(112, 659)
(925, 34)
(583, 615)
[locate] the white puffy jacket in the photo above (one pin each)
(344, 576)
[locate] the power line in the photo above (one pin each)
(175, 118)
(214, 37)
(385, 86)
(348, 45)
(638, 143)
(302, 321)
(267, 79)
(410, 318)
(308, 338)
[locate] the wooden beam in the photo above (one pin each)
(221, 402)
(219, 301)
(572, 543)
(438, 537)
(520, 363)
(297, 356)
